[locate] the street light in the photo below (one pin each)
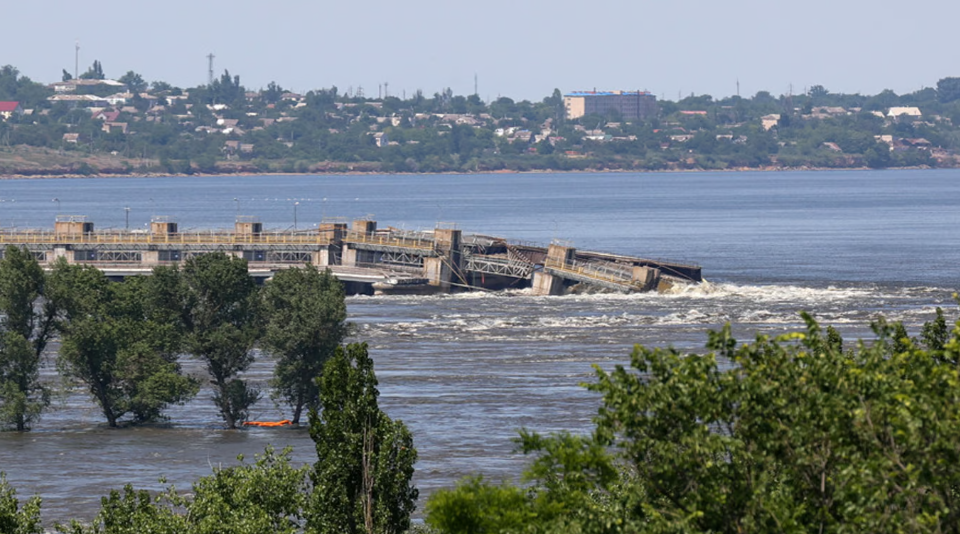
(237, 200)
(127, 214)
(295, 204)
(57, 200)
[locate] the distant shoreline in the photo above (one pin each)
(451, 173)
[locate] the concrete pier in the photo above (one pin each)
(366, 258)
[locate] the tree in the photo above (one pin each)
(66, 77)
(25, 329)
(818, 91)
(306, 318)
(17, 519)
(222, 323)
(95, 72)
(790, 434)
(948, 90)
(266, 497)
(272, 93)
(134, 82)
(362, 478)
(118, 341)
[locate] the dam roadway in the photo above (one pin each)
(366, 259)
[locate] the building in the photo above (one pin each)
(627, 105)
(9, 109)
(910, 112)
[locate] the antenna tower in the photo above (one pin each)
(76, 62)
(476, 85)
(210, 69)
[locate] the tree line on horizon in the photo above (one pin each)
(798, 432)
(327, 130)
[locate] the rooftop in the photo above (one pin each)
(608, 93)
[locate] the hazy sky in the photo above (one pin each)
(519, 48)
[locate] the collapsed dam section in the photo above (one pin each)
(367, 259)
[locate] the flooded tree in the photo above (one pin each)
(362, 478)
(306, 320)
(120, 342)
(222, 325)
(25, 329)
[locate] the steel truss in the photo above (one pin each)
(509, 266)
(405, 258)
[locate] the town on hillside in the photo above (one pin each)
(91, 124)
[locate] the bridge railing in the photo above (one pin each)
(185, 238)
(391, 240)
(592, 270)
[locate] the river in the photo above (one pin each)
(464, 372)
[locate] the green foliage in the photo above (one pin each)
(267, 497)
(17, 519)
(264, 498)
(306, 318)
(785, 434)
(362, 478)
(121, 341)
(222, 324)
(477, 507)
(21, 89)
(948, 90)
(95, 72)
(134, 82)
(25, 328)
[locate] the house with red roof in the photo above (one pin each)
(9, 109)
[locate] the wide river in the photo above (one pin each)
(466, 371)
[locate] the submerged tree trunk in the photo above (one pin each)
(298, 409)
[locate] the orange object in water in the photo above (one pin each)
(268, 423)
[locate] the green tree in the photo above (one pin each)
(17, 519)
(119, 342)
(266, 497)
(948, 90)
(134, 82)
(25, 329)
(789, 434)
(362, 478)
(818, 92)
(221, 317)
(306, 320)
(95, 72)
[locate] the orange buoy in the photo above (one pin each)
(268, 424)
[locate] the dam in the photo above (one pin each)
(367, 259)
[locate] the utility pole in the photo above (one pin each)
(210, 69)
(386, 89)
(76, 62)
(476, 85)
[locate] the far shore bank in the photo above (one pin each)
(450, 173)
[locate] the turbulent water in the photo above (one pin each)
(466, 371)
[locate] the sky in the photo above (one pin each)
(520, 48)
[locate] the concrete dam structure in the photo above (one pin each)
(367, 259)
